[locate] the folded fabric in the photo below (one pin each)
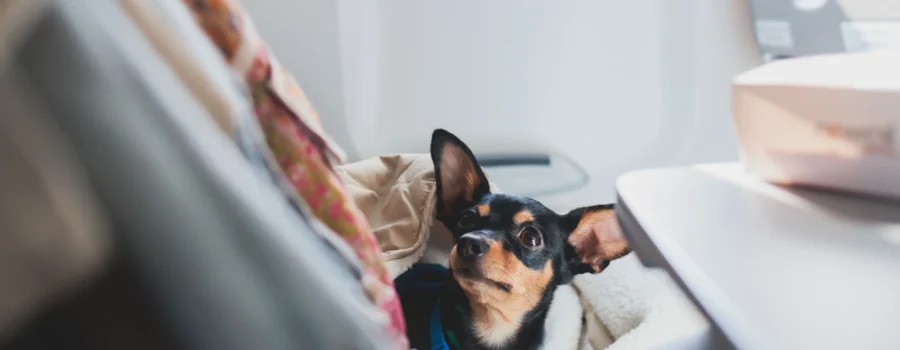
(301, 150)
(169, 26)
(231, 29)
(397, 195)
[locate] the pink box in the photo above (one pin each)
(827, 121)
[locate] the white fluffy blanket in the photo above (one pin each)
(625, 307)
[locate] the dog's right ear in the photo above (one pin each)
(460, 180)
(594, 238)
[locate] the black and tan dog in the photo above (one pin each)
(511, 254)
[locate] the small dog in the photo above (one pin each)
(510, 255)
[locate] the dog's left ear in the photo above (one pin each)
(460, 180)
(594, 238)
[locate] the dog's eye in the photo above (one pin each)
(467, 220)
(531, 238)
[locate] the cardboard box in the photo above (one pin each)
(830, 121)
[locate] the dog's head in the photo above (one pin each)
(511, 250)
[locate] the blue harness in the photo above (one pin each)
(428, 278)
(436, 331)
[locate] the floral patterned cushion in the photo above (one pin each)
(303, 151)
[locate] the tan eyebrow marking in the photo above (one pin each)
(484, 209)
(522, 217)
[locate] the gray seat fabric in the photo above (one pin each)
(230, 262)
(53, 234)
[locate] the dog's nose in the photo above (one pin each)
(471, 246)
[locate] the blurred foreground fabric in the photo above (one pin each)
(152, 209)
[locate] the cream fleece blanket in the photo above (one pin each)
(625, 307)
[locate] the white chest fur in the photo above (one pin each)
(493, 328)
